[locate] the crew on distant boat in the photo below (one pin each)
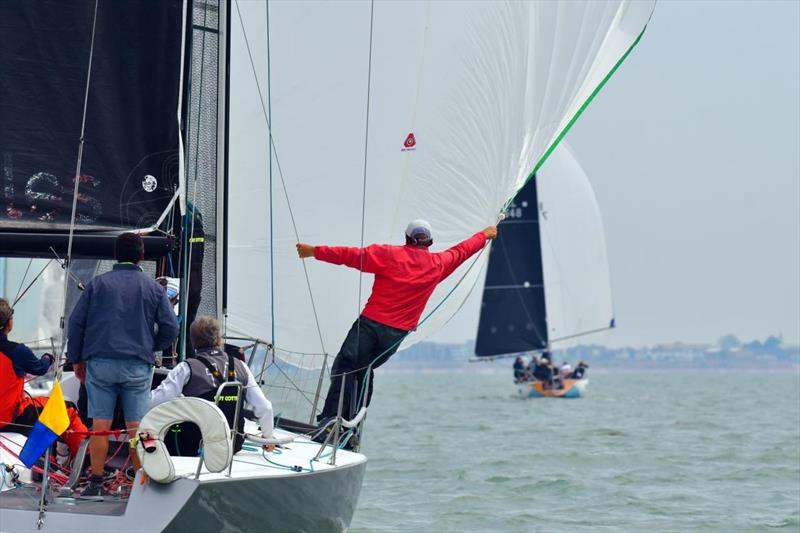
(111, 345)
(519, 370)
(580, 370)
(19, 411)
(532, 367)
(543, 372)
(202, 375)
(405, 277)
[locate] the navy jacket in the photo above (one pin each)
(22, 358)
(116, 316)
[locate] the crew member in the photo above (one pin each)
(405, 277)
(121, 318)
(543, 371)
(519, 369)
(580, 370)
(202, 375)
(531, 368)
(19, 411)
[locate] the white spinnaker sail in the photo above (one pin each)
(577, 285)
(486, 88)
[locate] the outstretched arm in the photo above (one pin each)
(369, 259)
(453, 257)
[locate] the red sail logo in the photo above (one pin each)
(410, 142)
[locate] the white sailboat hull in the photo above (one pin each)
(258, 496)
(282, 491)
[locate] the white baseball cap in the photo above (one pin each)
(419, 227)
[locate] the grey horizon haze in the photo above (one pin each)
(693, 149)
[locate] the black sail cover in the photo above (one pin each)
(129, 170)
(513, 308)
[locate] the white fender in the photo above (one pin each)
(213, 426)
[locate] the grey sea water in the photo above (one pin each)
(643, 452)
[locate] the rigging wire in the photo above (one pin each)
(364, 186)
(35, 279)
(280, 171)
(271, 226)
(22, 282)
(77, 179)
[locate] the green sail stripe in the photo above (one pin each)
(578, 114)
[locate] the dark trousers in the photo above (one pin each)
(358, 351)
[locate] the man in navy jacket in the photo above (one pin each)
(121, 318)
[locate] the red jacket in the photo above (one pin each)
(405, 276)
(15, 361)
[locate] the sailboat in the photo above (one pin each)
(265, 123)
(547, 281)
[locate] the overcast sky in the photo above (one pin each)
(693, 149)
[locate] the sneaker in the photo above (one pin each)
(324, 428)
(94, 490)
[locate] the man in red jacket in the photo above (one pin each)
(405, 277)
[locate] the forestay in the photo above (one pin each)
(465, 101)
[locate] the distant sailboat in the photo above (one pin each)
(547, 282)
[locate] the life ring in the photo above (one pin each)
(217, 446)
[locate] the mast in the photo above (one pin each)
(223, 172)
(202, 257)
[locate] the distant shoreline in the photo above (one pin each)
(407, 368)
(729, 356)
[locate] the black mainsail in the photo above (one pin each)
(129, 172)
(547, 280)
(513, 307)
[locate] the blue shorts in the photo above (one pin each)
(127, 379)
